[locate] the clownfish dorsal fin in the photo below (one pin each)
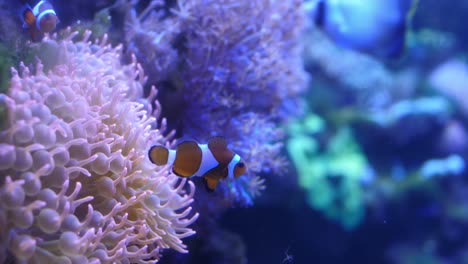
(217, 142)
(218, 146)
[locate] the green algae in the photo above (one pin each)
(331, 173)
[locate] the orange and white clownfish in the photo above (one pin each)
(213, 161)
(40, 19)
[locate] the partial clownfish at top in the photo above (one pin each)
(213, 161)
(39, 20)
(377, 27)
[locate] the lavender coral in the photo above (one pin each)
(235, 67)
(75, 182)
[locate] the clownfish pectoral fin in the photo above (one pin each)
(211, 183)
(214, 176)
(217, 142)
(218, 172)
(158, 155)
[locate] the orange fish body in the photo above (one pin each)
(213, 161)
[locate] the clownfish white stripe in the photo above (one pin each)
(208, 161)
(41, 15)
(35, 10)
(231, 166)
(171, 156)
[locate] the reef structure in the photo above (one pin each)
(76, 185)
(234, 68)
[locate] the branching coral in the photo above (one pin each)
(75, 183)
(237, 66)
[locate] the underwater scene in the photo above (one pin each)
(233, 131)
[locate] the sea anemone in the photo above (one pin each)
(75, 181)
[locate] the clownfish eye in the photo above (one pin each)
(239, 169)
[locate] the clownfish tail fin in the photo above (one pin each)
(158, 155)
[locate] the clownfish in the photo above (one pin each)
(213, 161)
(377, 27)
(39, 20)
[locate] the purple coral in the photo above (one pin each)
(76, 184)
(235, 65)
